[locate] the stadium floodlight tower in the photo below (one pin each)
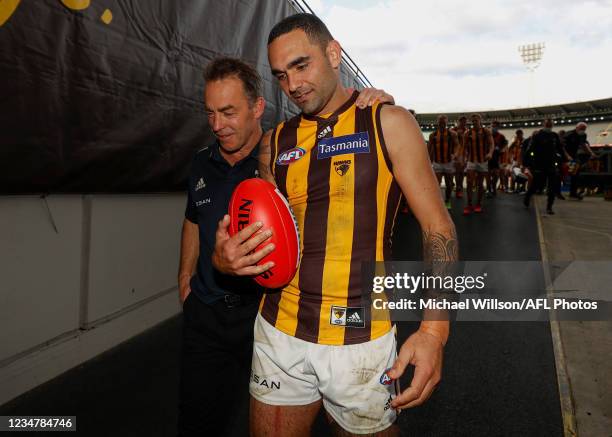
(532, 57)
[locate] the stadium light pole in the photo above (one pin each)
(532, 57)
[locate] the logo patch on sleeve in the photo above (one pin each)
(354, 143)
(351, 317)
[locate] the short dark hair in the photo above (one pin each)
(222, 68)
(519, 131)
(313, 27)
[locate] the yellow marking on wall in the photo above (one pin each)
(7, 7)
(76, 5)
(107, 17)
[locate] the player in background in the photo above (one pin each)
(527, 158)
(515, 157)
(505, 167)
(460, 130)
(443, 146)
(478, 144)
(499, 143)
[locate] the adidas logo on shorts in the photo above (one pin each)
(351, 317)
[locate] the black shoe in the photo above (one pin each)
(549, 211)
(526, 202)
(560, 197)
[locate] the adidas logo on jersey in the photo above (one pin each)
(200, 184)
(352, 317)
(324, 132)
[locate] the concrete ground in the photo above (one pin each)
(500, 378)
(582, 230)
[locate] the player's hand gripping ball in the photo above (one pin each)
(256, 200)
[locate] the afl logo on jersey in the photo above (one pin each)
(290, 156)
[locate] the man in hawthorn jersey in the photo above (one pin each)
(312, 335)
(499, 144)
(459, 156)
(478, 144)
(219, 310)
(442, 148)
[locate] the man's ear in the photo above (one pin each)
(334, 53)
(259, 106)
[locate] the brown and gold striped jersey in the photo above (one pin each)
(441, 146)
(477, 144)
(336, 174)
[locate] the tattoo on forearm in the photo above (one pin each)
(440, 247)
(440, 255)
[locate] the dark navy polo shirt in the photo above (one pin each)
(212, 181)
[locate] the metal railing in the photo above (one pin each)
(348, 62)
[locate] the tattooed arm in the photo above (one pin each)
(440, 252)
(412, 170)
(438, 246)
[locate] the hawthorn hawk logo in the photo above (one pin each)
(342, 167)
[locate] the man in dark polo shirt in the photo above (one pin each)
(219, 310)
(545, 156)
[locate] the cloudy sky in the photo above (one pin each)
(446, 55)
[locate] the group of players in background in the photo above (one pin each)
(491, 163)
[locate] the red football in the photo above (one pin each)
(258, 200)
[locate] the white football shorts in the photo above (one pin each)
(448, 168)
(479, 167)
(351, 379)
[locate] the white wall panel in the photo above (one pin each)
(39, 270)
(134, 250)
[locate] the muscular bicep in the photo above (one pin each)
(412, 167)
(265, 156)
